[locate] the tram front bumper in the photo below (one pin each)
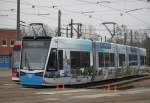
(31, 79)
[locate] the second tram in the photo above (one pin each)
(16, 60)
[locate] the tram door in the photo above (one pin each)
(66, 62)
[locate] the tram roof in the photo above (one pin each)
(82, 39)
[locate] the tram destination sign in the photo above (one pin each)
(133, 50)
(34, 43)
(105, 45)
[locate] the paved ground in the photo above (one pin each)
(12, 92)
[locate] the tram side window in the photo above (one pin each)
(60, 59)
(79, 59)
(106, 59)
(121, 59)
(143, 60)
(133, 60)
(112, 60)
(101, 60)
(85, 59)
(53, 63)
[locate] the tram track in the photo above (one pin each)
(10, 93)
(121, 83)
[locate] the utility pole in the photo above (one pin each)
(94, 59)
(75, 27)
(71, 27)
(79, 26)
(67, 29)
(18, 19)
(105, 38)
(125, 38)
(131, 33)
(78, 31)
(59, 23)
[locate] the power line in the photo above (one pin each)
(6, 1)
(115, 9)
(39, 6)
(138, 19)
(5, 24)
(14, 2)
(66, 10)
(76, 12)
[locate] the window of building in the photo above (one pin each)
(1, 59)
(121, 59)
(12, 42)
(133, 60)
(4, 59)
(79, 59)
(4, 43)
(106, 59)
(55, 61)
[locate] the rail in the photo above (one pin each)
(120, 84)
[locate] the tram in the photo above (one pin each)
(69, 61)
(16, 60)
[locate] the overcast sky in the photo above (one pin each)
(133, 13)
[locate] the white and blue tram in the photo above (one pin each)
(60, 60)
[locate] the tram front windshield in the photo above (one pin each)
(34, 54)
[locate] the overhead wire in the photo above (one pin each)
(65, 10)
(5, 24)
(56, 8)
(115, 9)
(77, 12)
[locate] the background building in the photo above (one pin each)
(7, 40)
